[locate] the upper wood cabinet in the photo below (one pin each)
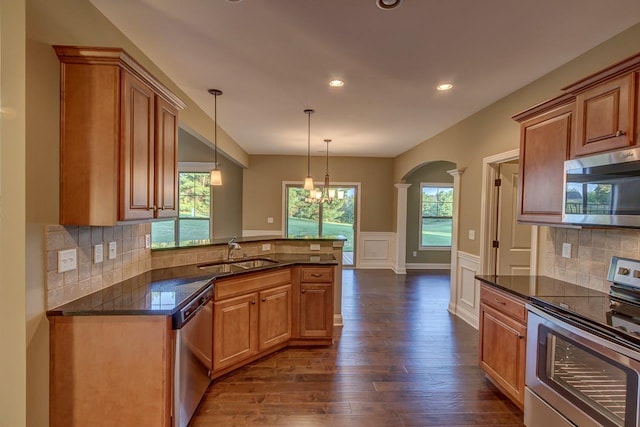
(545, 137)
(605, 117)
(118, 139)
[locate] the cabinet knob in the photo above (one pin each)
(253, 302)
(304, 290)
(500, 302)
(161, 208)
(264, 300)
(620, 133)
(152, 208)
(316, 275)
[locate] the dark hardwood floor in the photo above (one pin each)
(400, 360)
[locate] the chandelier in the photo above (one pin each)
(326, 194)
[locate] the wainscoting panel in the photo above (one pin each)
(467, 291)
(375, 250)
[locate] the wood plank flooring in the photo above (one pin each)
(400, 360)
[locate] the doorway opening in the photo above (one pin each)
(312, 219)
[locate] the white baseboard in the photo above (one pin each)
(427, 266)
(337, 320)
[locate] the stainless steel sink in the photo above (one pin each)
(236, 266)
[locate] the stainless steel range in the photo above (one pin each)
(583, 355)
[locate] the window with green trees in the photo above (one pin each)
(194, 207)
(436, 215)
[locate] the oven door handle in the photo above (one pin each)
(610, 344)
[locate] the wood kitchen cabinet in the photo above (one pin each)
(545, 138)
(110, 371)
(605, 117)
(316, 302)
(251, 317)
(118, 139)
(503, 341)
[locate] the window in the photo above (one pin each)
(194, 207)
(436, 219)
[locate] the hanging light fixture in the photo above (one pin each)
(308, 181)
(216, 176)
(327, 194)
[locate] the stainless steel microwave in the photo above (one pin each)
(603, 189)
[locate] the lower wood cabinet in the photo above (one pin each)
(235, 330)
(503, 339)
(274, 326)
(316, 310)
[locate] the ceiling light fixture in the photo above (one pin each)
(215, 177)
(308, 181)
(336, 83)
(388, 4)
(444, 86)
(327, 194)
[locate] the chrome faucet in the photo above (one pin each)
(232, 245)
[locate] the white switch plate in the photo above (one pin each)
(472, 234)
(266, 246)
(147, 241)
(112, 250)
(67, 260)
(415, 253)
(314, 247)
(566, 250)
(97, 253)
(270, 220)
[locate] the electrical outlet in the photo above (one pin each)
(566, 250)
(112, 250)
(269, 220)
(314, 247)
(415, 253)
(67, 260)
(472, 234)
(266, 246)
(97, 254)
(147, 241)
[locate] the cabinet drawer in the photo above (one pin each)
(245, 284)
(511, 306)
(316, 274)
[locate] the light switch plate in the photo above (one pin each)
(472, 234)
(112, 250)
(269, 220)
(266, 246)
(147, 241)
(566, 250)
(97, 253)
(314, 247)
(67, 260)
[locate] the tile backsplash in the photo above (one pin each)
(591, 252)
(132, 259)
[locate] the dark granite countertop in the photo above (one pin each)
(165, 291)
(529, 287)
(248, 239)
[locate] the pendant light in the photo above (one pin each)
(216, 176)
(308, 181)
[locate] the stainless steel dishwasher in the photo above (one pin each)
(192, 356)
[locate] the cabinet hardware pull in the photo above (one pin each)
(500, 302)
(316, 275)
(620, 133)
(264, 300)
(520, 336)
(304, 290)
(253, 302)
(152, 208)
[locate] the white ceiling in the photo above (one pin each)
(274, 58)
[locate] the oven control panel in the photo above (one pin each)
(624, 271)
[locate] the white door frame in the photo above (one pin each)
(489, 211)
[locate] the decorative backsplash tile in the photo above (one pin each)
(591, 252)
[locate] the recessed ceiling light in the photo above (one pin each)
(388, 4)
(336, 83)
(444, 86)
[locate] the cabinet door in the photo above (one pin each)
(316, 310)
(502, 351)
(275, 316)
(137, 150)
(605, 116)
(166, 150)
(544, 145)
(235, 326)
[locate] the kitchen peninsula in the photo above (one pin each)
(127, 336)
